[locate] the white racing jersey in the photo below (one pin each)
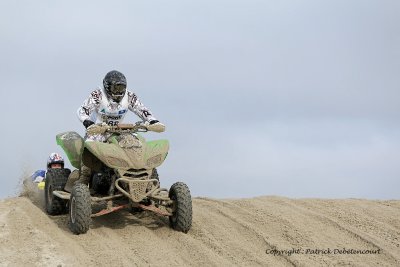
(98, 108)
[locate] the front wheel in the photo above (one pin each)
(80, 209)
(181, 218)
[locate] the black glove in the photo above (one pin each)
(153, 121)
(87, 123)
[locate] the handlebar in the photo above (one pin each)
(101, 128)
(125, 128)
(137, 127)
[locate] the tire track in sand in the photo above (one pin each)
(224, 233)
(220, 207)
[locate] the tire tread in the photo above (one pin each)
(181, 219)
(83, 209)
(57, 178)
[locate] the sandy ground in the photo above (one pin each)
(262, 231)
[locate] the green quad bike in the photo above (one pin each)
(125, 176)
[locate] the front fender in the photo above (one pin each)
(72, 144)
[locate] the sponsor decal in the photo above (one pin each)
(146, 113)
(122, 111)
(110, 117)
(96, 96)
(86, 110)
(132, 98)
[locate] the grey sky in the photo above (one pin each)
(291, 98)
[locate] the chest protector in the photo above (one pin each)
(111, 112)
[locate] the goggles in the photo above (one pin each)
(118, 89)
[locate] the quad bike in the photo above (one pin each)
(125, 176)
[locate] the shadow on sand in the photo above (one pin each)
(118, 220)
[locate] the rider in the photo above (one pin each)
(54, 161)
(109, 104)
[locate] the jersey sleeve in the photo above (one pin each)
(86, 110)
(138, 108)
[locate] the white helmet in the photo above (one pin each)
(55, 158)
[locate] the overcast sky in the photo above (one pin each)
(289, 98)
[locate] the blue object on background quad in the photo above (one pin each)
(38, 173)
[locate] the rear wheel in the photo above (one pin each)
(80, 209)
(181, 218)
(55, 181)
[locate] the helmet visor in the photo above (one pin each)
(118, 89)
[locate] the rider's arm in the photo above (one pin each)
(86, 110)
(139, 109)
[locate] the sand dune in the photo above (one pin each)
(262, 231)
